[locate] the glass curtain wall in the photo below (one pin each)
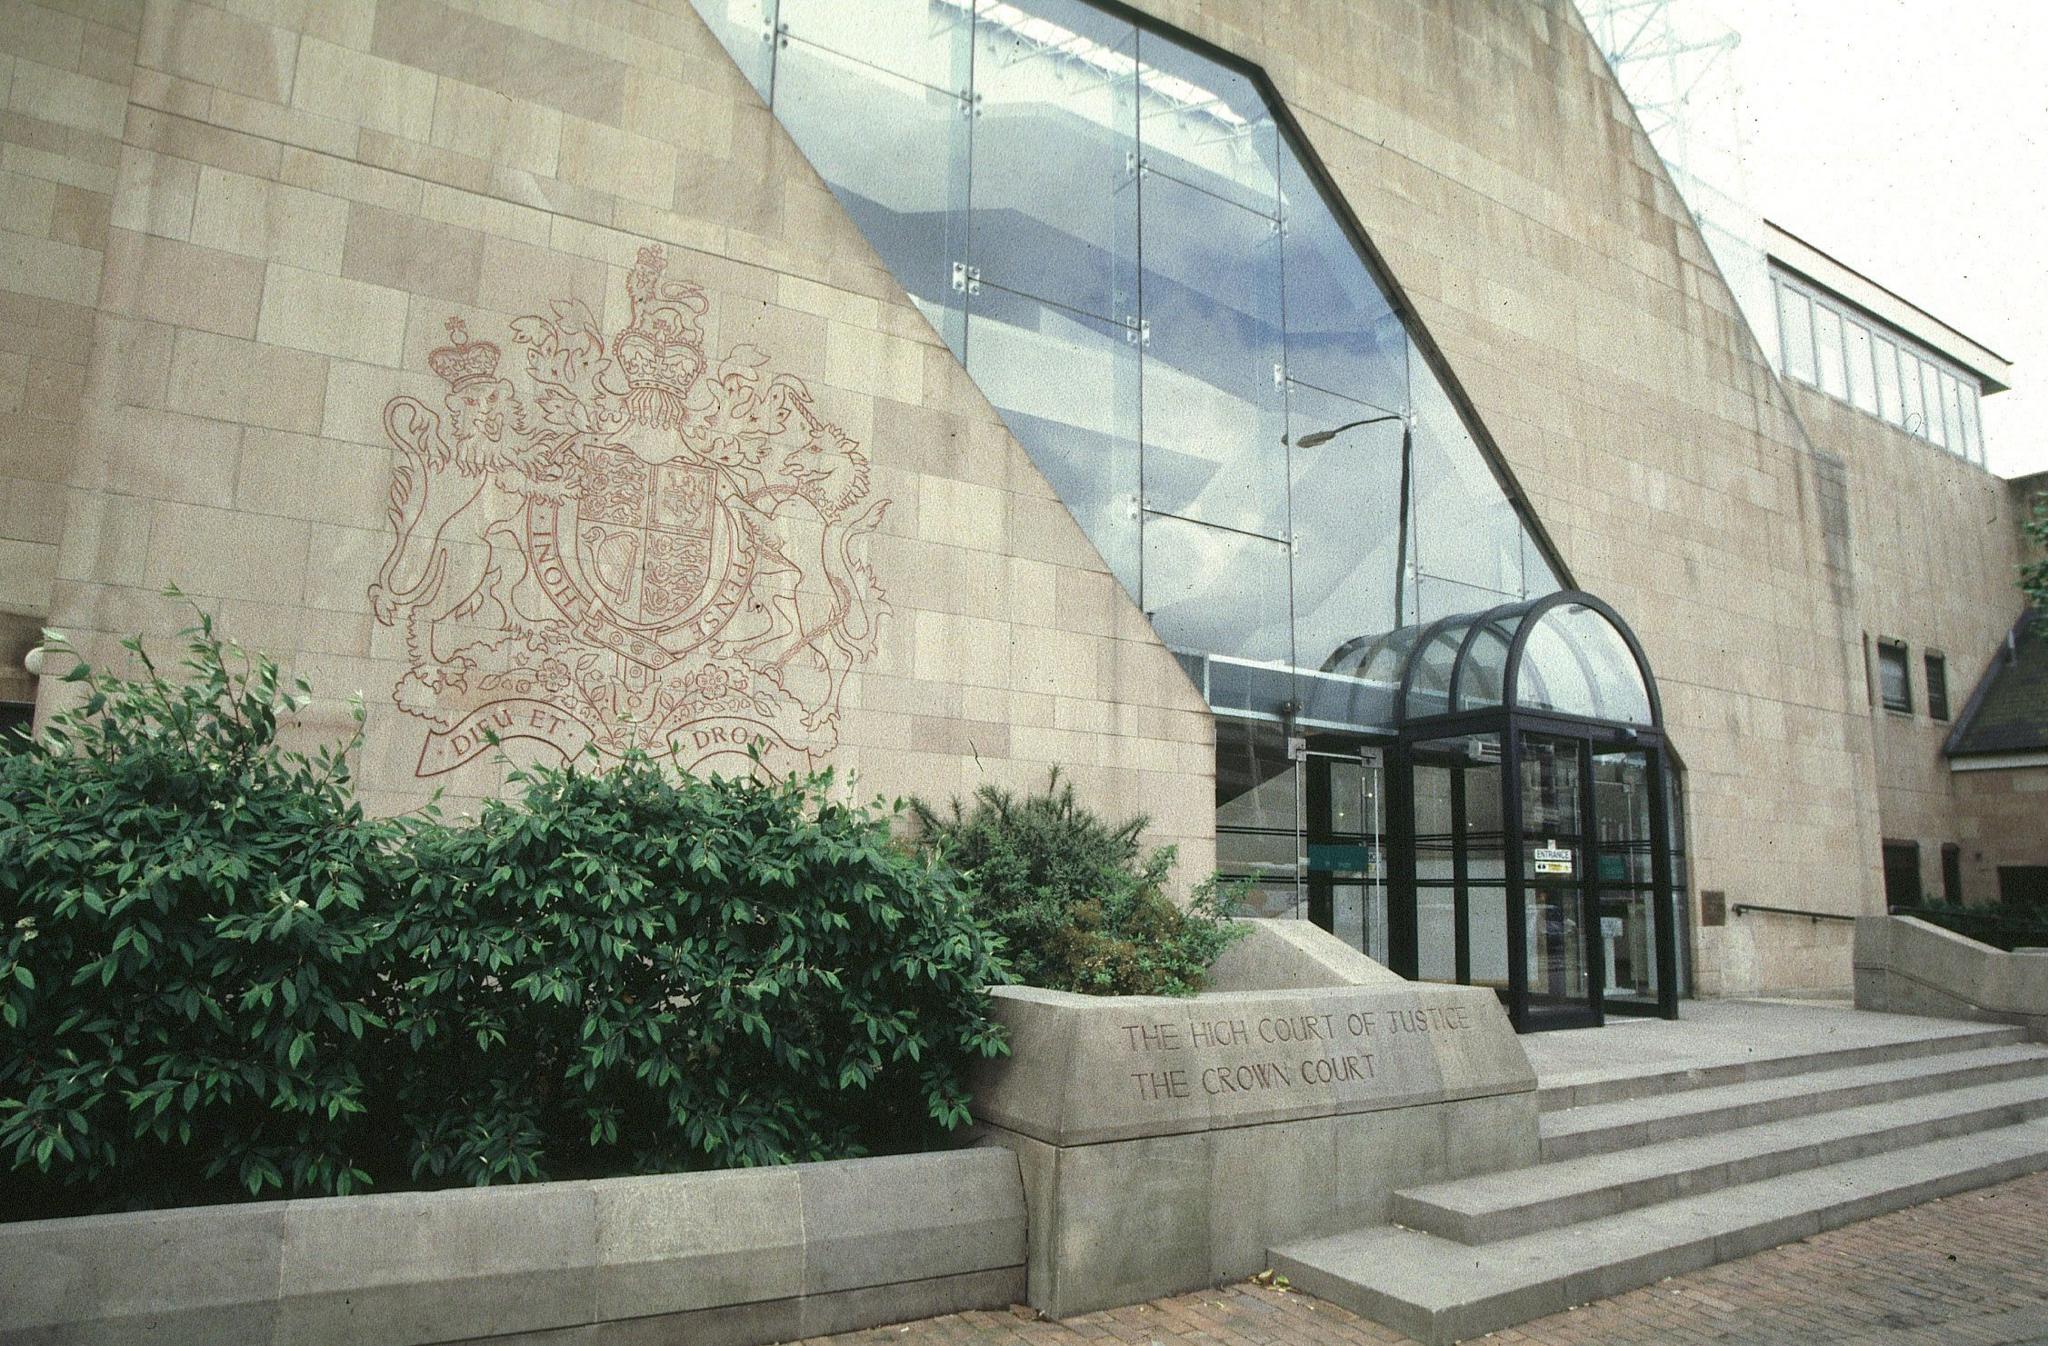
(1134, 263)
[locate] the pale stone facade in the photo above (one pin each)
(1937, 548)
(234, 237)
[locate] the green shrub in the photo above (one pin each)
(1079, 903)
(190, 963)
(631, 972)
(219, 979)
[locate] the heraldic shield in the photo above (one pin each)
(626, 547)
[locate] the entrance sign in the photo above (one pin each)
(1166, 1143)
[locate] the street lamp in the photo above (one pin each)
(1315, 439)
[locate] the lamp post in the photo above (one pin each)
(1315, 439)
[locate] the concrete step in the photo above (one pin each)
(1439, 1291)
(1605, 1127)
(1653, 1083)
(1496, 1206)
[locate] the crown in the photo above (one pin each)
(661, 352)
(466, 361)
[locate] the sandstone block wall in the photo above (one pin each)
(1937, 548)
(64, 76)
(365, 261)
(270, 407)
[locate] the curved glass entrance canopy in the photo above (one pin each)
(1125, 243)
(1565, 654)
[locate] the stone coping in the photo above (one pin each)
(1906, 965)
(1085, 1070)
(764, 1254)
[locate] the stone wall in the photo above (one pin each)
(283, 421)
(365, 259)
(64, 77)
(746, 1256)
(1937, 547)
(1908, 966)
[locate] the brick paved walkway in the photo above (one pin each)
(1971, 1270)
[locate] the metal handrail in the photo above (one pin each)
(1816, 916)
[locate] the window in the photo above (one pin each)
(1914, 420)
(1937, 687)
(1887, 378)
(1951, 873)
(1827, 345)
(1862, 390)
(1894, 680)
(1795, 328)
(1902, 873)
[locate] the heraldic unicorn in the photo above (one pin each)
(633, 549)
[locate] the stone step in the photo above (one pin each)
(1604, 1127)
(1651, 1083)
(1439, 1291)
(1496, 1206)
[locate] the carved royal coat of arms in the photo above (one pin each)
(627, 547)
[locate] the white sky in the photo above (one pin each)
(1909, 139)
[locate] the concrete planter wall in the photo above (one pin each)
(1167, 1144)
(738, 1257)
(1909, 966)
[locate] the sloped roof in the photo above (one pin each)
(2009, 710)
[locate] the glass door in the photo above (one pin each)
(1344, 861)
(1623, 810)
(1560, 975)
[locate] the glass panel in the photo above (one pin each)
(1460, 867)
(1342, 333)
(1067, 387)
(1481, 681)
(746, 28)
(1887, 360)
(1930, 390)
(1621, 803)
(1466, 530)
(1576, 663)
(1214, 411)
(1681, 879)
(1914, 413)
(1827, 342)
(916, 39)
(1346, 514)
(895, 154)
(1553, 856)
(1217, 591)
(1436, 949)
(1429, 690)
(1795, 329)
(1951, 415)
(1056, 101)
(1973, 429)
(1346, 861)
(1486, 894)
(1205, 125)
(1862, 387)
(1258, 833)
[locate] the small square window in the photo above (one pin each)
(1894, 679)
(1937, 687)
